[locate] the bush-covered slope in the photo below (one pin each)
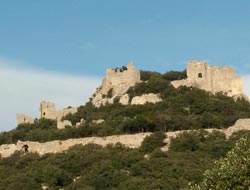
(117, 167)
(181, 109)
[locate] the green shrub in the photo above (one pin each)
(156, 140)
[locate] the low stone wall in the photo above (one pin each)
(241, 124)
(131, 141)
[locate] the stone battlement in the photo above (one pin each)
(22, 118)
(115, 84)
(212, 79)
(48, 110)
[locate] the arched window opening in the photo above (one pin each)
(200, 75)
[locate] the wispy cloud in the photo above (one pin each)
(21, 91)
(246, 84)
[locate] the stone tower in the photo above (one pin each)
(47, 109)
(212, 79)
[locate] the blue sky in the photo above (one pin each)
(77, 40)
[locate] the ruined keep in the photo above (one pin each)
(115, 84)
(48, 110)
(212, 79)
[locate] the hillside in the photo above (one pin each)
(182, 108)
(117, 167)
(127, 128)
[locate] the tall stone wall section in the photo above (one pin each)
(131, 141)
(115, 84)
(48, 110)
(212, 79)
(22, 118)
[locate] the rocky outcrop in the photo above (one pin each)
(212, 79)
(131, 141)
(124, 100)
(115, 84)
(63, 124)
(98, 121)
(82, 122)
(241, 124)
(146, 98)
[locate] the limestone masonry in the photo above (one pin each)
(199, 74)
(22, 118)
(48, 111)
(132, 141)
(212, 79)
(115, 84)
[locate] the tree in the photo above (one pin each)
(153, 141)
(230, 173)
(175, 75)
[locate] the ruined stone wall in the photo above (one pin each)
(212, 79)
(64, 112)
(131, 141)
(22, 118)
(61, 124)
(200, 75)
(48, 111)
(241, 124)
(117, 82)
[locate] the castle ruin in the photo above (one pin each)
(48, 111)
(115, 84)
(212, 79)
(22, 118)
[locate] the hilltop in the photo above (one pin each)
(132, 101)
(139, 130)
